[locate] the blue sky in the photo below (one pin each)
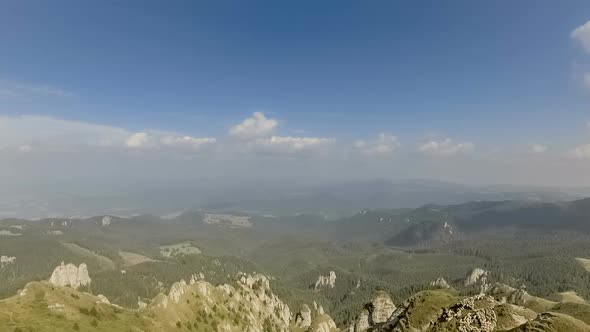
(463, 76)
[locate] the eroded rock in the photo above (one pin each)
(326, 281)
(70, 275)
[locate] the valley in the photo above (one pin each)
(400, 252)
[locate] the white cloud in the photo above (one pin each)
(256, 126)
(288, 144)
(137, 140)
(42, 131)
(384, 145)
(256, 135)
(29, 90)
(580, 152)
(538, 149)
(144, 140)
(187, 142)
(582, 34)
(32, 133)
(445, 148)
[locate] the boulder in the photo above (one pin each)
(381, 307)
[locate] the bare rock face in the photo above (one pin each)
(252, 293)
(176, 291)
(482, 320)
(6, 260)
(505, 293)
(259, 284)
(470, 314)
(440, 283)
(361, 323)
(478, 277)
(196, 277)
(381, 308)
(519, 297)
(326, 281)
(376, 312)
(106, 221)
(303, 317)
(70, 275)
(103, 299)
(470, 318)
(322, 323)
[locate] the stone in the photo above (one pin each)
(6, 260)
(70, 275)
(326, 281)
(381, 308)
(440, 283)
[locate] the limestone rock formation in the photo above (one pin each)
(106, 221)
(6, 260)
(381, 307)
(428, 311)
(322, 323)
(361, 323)
(326, 281)
(249, 305)
(440, 283)
(477, 277)
(505, 293)
(303, 317)
(70, 275)
(468, 315)
(250, 302)
(376, 312)
(196, 277)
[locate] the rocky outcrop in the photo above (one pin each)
(505, 293)
(326, 281)
(440, 283)
(196, 277)
(477, 277)
(467, 316)
(303, 317)
(361, 323)
(381, 307)
(322, 323)
(313, 320)
(176, 291)
(106, 221)
(428, 311)
(6, 260)
(518, 297)
(376, 312)
(70, 275)
(247, 305)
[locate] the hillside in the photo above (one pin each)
(248, 304)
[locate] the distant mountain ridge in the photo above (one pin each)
(335, 199)
(428, 222)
